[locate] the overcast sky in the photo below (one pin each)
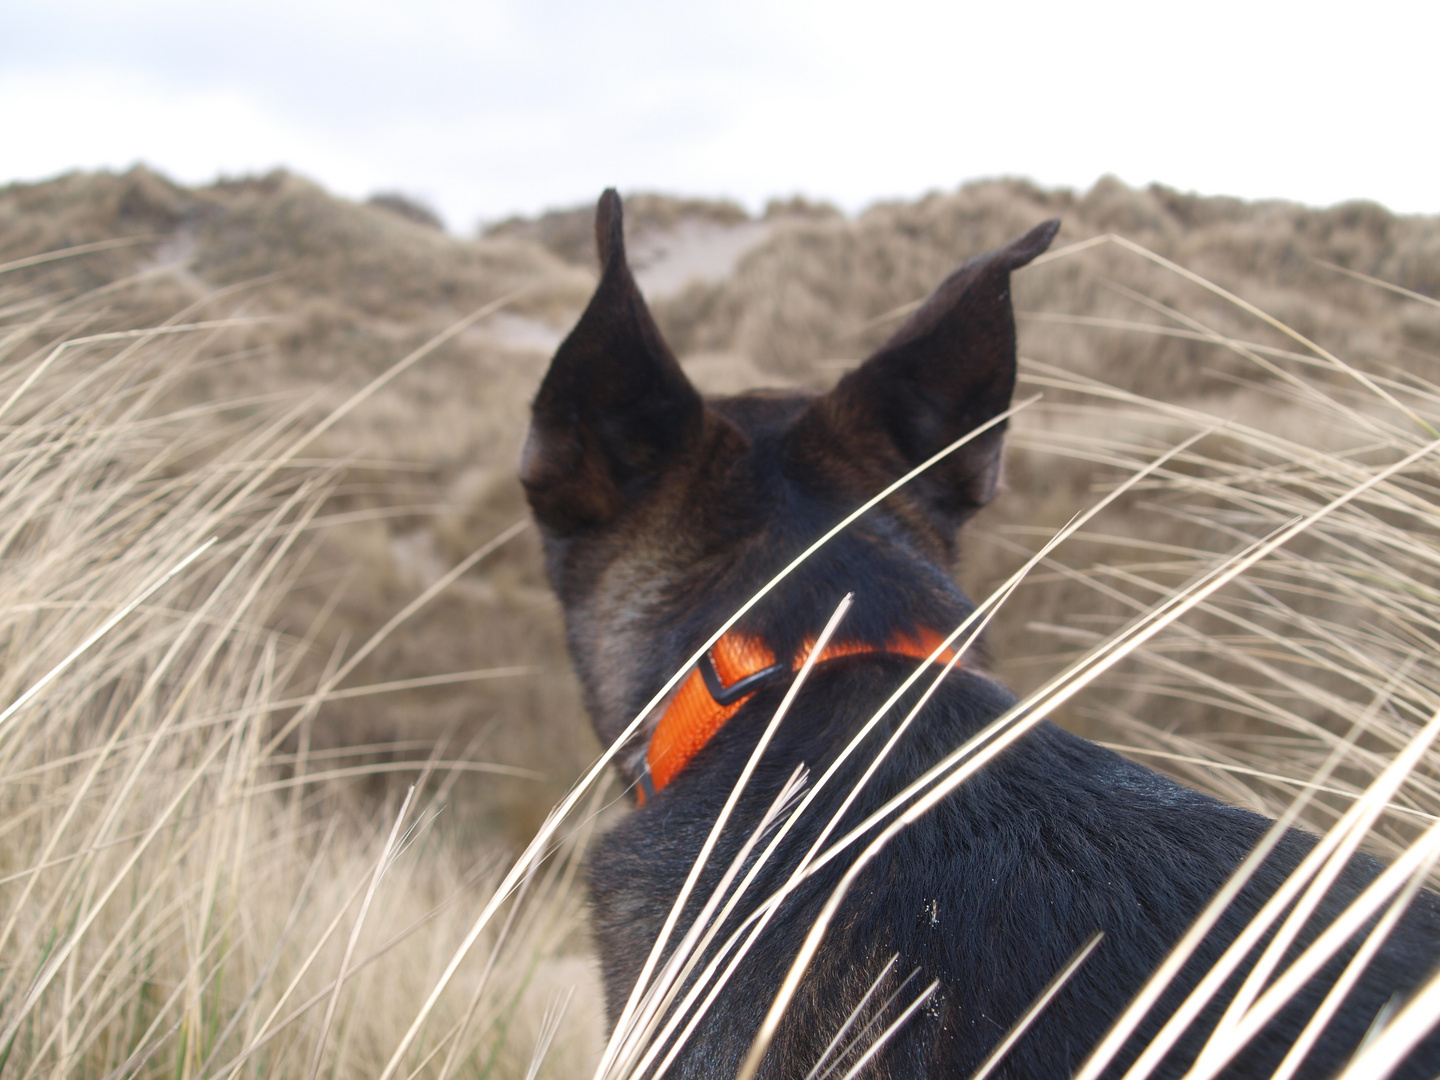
(493, 107)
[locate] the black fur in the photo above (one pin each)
(661, 514)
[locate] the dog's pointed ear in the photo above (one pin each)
(615, 409)
(948, 369)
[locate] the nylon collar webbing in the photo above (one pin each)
(726, 677)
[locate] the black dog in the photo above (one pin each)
(663, 513)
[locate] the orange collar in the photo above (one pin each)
(725, 678)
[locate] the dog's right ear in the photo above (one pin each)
(948, 370)
(615, 409)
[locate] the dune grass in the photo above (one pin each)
(189, 888)
(192, 888)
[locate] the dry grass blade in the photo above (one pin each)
(894, 1026)
(72, 252)
(1295, 1057)
(1022, 1025)
(102, 630)
(1397, 1037)
(1399, 290)
(850, 1020)
(1322, 857)
(1367, 811)
(858, 1041)
(381, 865)
(554, 1013)
(1160, 980)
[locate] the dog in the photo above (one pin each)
(662, 513)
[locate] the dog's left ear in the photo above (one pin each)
(615, 408)
(948, 369)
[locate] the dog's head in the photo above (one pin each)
(662, 512)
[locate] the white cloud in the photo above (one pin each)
(59, 119)
(493, 106)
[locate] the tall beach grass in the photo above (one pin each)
(1250, 600)
(189, 888)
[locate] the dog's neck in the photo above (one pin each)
(728, 675)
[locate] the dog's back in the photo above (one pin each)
(662, 514)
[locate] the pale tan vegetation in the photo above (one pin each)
(193, 886)
(336, 293)
(201, 781)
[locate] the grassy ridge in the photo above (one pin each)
(204, 778)
(341, 290)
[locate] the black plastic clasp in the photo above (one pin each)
(728, 695)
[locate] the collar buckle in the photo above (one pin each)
(728, 695)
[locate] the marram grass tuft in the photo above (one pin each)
(190, 890)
